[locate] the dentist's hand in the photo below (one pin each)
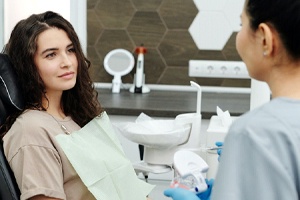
(219, 151)
(180, 194)
(183, 194)
(206, 194)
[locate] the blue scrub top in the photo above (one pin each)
(261, 155)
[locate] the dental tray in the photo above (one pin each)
(189, 168)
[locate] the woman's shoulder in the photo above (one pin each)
(33, 114)
(277, 111)
(265, 120)
(31, 123)
(31, 129)
(30, 119)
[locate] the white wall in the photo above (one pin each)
(1, 24)
(72, 10)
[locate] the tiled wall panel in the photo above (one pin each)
(164, 28)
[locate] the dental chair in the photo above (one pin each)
(10, 100)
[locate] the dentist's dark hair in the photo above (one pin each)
(283, 15)
(80, 102)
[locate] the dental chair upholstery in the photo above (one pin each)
(10, 100)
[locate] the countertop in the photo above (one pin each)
(159, 103)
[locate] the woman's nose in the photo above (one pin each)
(65, 61)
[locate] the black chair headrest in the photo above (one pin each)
(10, 94)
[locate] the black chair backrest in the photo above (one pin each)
(10, 100)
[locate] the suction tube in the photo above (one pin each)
(199, 96)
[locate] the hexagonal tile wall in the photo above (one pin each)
(172, 31)
(172, 50)
(215, 23)
(174, 11)
(146, 28)
(146, 5)
(115, 13)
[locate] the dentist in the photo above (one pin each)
(260, 158)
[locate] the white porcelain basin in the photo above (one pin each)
(156, 133)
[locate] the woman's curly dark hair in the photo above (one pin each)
(81, 101)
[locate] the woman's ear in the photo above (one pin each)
(267, 39)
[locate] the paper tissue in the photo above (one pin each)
(221, 122)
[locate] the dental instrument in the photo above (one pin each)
(118, 63)
(139, 77)
(214, 148)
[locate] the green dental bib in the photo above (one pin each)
(97, 156)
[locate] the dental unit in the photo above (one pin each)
(163, 138)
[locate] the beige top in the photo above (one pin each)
(39, 164)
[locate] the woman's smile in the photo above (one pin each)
(67, 75)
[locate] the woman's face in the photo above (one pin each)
(56, 60)
(248, 45)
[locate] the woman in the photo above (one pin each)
(59, 99)
(260, 159)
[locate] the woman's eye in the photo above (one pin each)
(50, 55)
(71, 50)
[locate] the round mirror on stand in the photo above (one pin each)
(117, 63)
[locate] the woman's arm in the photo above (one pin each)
(42, 197)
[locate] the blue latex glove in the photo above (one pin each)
(206, 194)
(183, 194)
(219, 151)
(180, 194)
